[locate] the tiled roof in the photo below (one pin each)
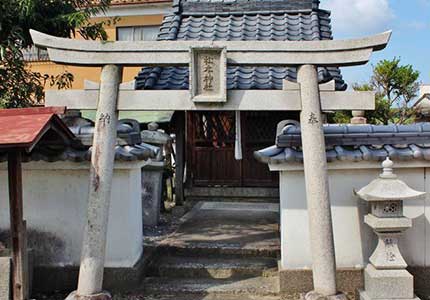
(276, 20)
(355, 143)
(353, 135)
(122, 153)
(129, 144)
(24, 128)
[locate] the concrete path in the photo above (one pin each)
(228, 226)
(221, 250)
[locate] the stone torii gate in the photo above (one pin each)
(208, 61)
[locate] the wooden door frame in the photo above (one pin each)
(193, 149)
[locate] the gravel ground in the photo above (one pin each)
(169, 223)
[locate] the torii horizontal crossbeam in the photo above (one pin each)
(161, 53)
(239, 100)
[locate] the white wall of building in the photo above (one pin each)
(354, 240)
(55, 205)
(424, 89)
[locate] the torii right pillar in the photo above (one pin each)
(317, 188)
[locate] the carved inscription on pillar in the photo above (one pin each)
(313, 120)
(208, 71)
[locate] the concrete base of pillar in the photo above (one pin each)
(299, 281)
(316, 296)
(115, 280)
(101, 296)
(365, 296)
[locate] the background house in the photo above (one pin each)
(137, 20)
(423, 104)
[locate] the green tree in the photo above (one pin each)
(396, 86)
(19, 86)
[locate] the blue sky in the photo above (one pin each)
(409, 20)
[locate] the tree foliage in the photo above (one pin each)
(396, 87)
(19, 86)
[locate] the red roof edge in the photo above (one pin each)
(58, 110)
(34, 131)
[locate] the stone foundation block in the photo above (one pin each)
(316, 296)
(5, 278)
(358, 121)
(388, 284)
(300, 281)
(365, 296)
(100, 296)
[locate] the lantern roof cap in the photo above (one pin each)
(388, 187)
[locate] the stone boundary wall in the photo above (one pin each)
(55, 207)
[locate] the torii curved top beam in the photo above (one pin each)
(321, 53)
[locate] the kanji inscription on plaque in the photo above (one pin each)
(208, 71)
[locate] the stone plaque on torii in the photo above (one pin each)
(208, 92)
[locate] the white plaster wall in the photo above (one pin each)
(424, 89)
(55, 197)
(354, 240)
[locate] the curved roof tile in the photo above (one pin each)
(355, 143)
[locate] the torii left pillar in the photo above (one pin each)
(90, 284)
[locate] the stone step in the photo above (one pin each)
(140, 295)
(228, 193)
(273, 200)
(217, 268)
(205, 249)
(257, 286)
(207, 297)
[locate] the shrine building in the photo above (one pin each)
(211, 159)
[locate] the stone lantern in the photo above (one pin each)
(152, 175)
(386, 277)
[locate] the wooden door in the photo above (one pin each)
(210, 148)
(211, 137)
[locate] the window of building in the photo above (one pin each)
(34, 53)
(137, 33)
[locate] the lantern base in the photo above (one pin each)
(365, 296)
(388, 284)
